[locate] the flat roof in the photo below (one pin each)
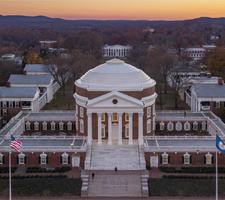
(30, 79)
(17, 92)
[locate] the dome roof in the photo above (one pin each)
(114, 75)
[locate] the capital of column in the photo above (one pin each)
(120, 114)
(140, 114)
(130, 114)
(99, 114)
(109, 114)
(89, 114)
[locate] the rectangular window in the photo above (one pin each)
(1, 159)
(21, 160)
(126, 131)
(186, 159)
(148, 126)
(162, 126)
(36, 127)
(76, 109)
(149, 112)
(115, 117)
(103, 117)
(65, 160)
(69, 126)
(126, 117)
(195, 127)
(4, 104)
(81, 126)
(11, 104)
(4, 112)
(165, 159)
(153, 110)
(17, 104)
(43, 160)
(208, 160)
(28, 126)
(217, 104)
(52, 126)
(81, 112)
(60, 127)
(103, 132)
(44, 127)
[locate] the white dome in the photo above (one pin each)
(114, 75)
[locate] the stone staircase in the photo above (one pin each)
(115, 186)
(107, 157)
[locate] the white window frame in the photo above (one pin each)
(69, 126)
(81, 112)
(187, 156)
(10, 104)
(126, 117)
(44, 126)
(53, 126)
(28, 125)
(162, 126)
(103, 130)
(4, 112)
(65, 158)
(148, 126)
(36, 126)
(115, 120)
(81, 126)
(77, 124)
(44, 157)
(208, 155)
(76, 109)
(185, 126)
(203, 126)
(217, 104)
(168, 126)
(153, 109)
(165, 155)
(195, 126)
(1, 159)
(61, 126)
(17, 104)
(22, 157)
(4, 104)
(153, 123)
(148, 112)
(178, 126)
(127, 131)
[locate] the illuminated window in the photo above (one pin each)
(36, 126)
(53, 126)
(44, 126)
(28, 126)
(69, 126)
(115, 117)
(103, 117)
(208, 159)
(165, 159)
(65, 158)
(127, 130)
(195, 126)
(187, 159)
(103, 131)
(43, 159)
(126, 117)
(162, 126)
(4, 112)
(61, 126)
(21, 159)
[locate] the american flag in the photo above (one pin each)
(15, 144)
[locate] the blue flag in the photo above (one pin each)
(220, 144)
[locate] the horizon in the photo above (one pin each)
(152, 10)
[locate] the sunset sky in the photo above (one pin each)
(115, 9)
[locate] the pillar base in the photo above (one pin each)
(130, 143)
(109, 143)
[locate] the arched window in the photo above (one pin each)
(28, 126)
(170, 126)
(53, 126)
(148, 126)
(69, 126)
(208, 159)
(65, 159)
(43, 159)
(36, 126)
(186, 158)
(187, 126)
(195, 126)
(81, 126)
(2, 159)
(61, 126)
(44, 126)
(21, 159)
(165, 158)
(162, 126)
(203, 126)
(178, 126)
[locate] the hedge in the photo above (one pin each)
(34, 176)
(47, 170)
(41, 187)
(190, 177)
(205, 170)
(6, 169)
(185, 187)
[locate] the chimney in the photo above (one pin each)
(220, 81)
(208, 75)
(8, 84)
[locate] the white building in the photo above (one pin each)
(195, 53)
(116, 51)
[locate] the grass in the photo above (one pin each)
(184, 187)
(168, 103)
(60, 102)
(41, 187)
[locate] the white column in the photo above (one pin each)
(89, 128)
(109, 128)
(99, 128)
(130, 129)
(120, 142)
(140, 128)
(199, 105)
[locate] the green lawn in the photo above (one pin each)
(186, 188)
(168, 103)
(60, 102)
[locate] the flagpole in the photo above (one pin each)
(216, 176)
(10, 188)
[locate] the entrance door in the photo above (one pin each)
(154, 161)
(75, 160)
(115, 131)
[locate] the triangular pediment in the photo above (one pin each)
(114, 99)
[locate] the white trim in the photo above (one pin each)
(69, 126)
(36, 126)
(187, 126)
(81, 112)
(44, 126)
(44, 157)
(208, 155)
(148, 126)
(165, 155)
(28, 125)
(178, 126)
(53, 125)
(81, 125)
(61, 126)
(65, 156)
(170, 128)
(21, 156)
(148, 112)
(187, 156)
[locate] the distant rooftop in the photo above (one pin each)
(209, 90)
(30, 79)
(17, 92)
(36, 68)
(185, 69)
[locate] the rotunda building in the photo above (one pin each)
(115, 102)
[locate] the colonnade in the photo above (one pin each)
(120, 141)
(115, 52)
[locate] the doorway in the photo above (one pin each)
(75, 160)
